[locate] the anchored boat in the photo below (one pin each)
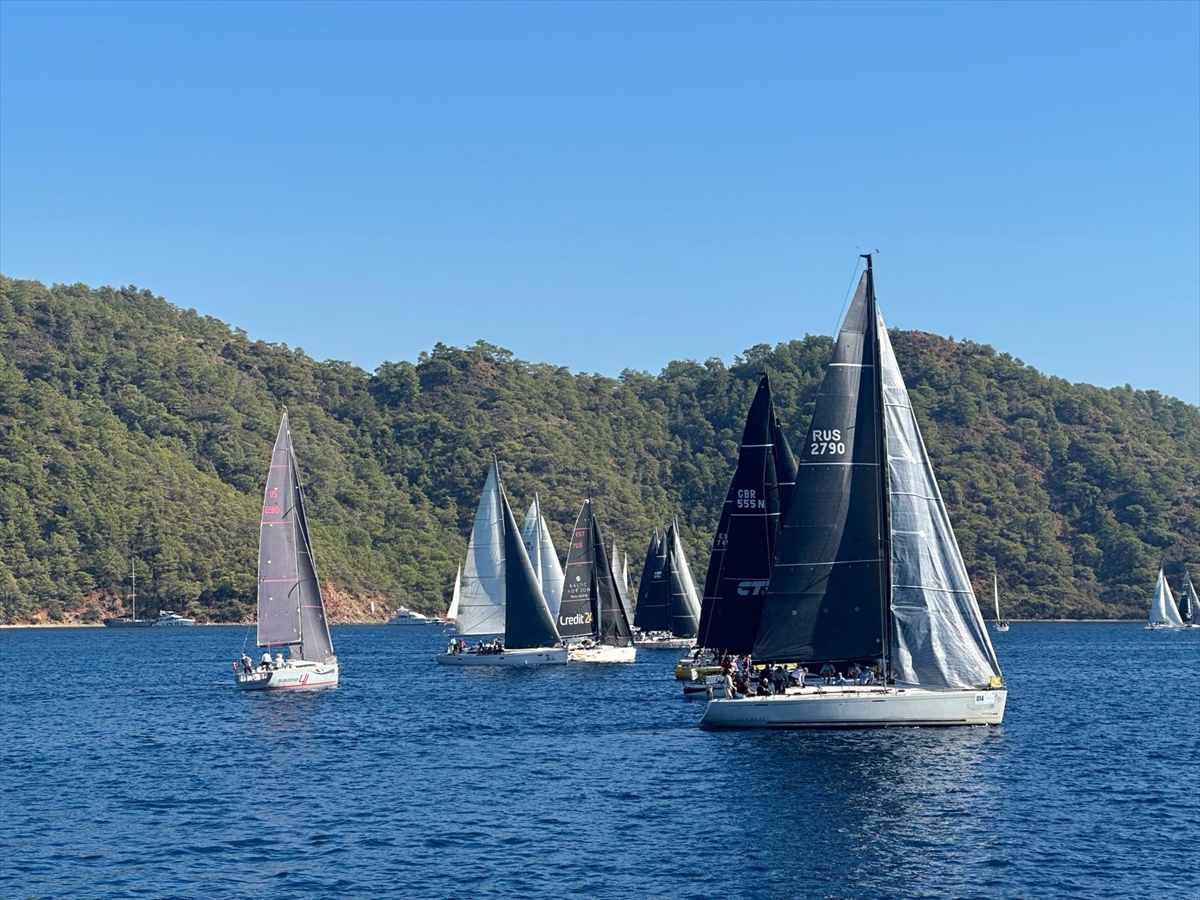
(291, 613)
(867, 570)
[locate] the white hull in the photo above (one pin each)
(603, 654)
(534, 656)
(858, 707)
(1000, 626)
(294, 674)
(667, 644)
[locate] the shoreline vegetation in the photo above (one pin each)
(134, 429)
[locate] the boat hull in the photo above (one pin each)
(858, 707)
(603, 653)
(685, 672)
(129, 623)
(533, 656)
(293, 676)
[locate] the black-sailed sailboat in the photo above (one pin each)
(291, 612)
(591, 618)
(668, 607)
(867, 574)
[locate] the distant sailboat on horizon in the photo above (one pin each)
(999, 624)
(1164, 614)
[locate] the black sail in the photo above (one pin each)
(653, 612)
(685, 605)
(785, 466)
(576, 611)
(614, 625)
(739, 567)
(527, 621)
(827, 598)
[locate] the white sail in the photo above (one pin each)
(1163, 611)
(481, 595)
(940, 638)
(535, 534)
(452, 612)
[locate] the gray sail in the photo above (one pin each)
(685, 603)
(481, 598)
(290, 610)
(535, 534)
(527, 621)
(939, 637)
(615, 629)
(619, 583)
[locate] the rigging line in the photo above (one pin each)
(846, 299)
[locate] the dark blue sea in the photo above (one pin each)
(131, 767)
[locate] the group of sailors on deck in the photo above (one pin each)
(267, 665)
(741, 678)
(458, 645)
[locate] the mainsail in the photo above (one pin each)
(481, 599)
(739, 567)
(527, 621)
(867, 566)
(685, 602)
(290, 609)
(653, 611)
(1163, 610)
(535, 534)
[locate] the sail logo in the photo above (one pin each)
(583, 618)
(747, 498)
(826, 441)
(752, 588)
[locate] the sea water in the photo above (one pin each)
(131, 767)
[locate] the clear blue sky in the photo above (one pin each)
(616, 185)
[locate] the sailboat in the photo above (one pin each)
(867, 568)
(999, 624)
(481, 594)
(291, 612)
(591, 618)
(668, 603)
(1164, 613)
(535, 534)
(530, 638)
(739, 566)
(131, 621)
(1189, 604)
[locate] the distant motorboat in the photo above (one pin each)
(404, 616)
(173, 620)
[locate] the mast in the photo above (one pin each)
(996, 594)
(885, 521)
(133, 575)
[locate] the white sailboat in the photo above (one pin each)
(1164, 614)
(291, 613)
(867, 568)
(535, 534)
(999, 624)
(529, 635)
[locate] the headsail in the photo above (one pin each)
(685, 602)
(653, 611)
(615, 629)
(535, 534)
(290, 609)
(1163, 610)
(619, 582)
(527, 621)
(739, 567)
(452, 612)
(481, 599)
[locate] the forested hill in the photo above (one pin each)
(129, 427)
